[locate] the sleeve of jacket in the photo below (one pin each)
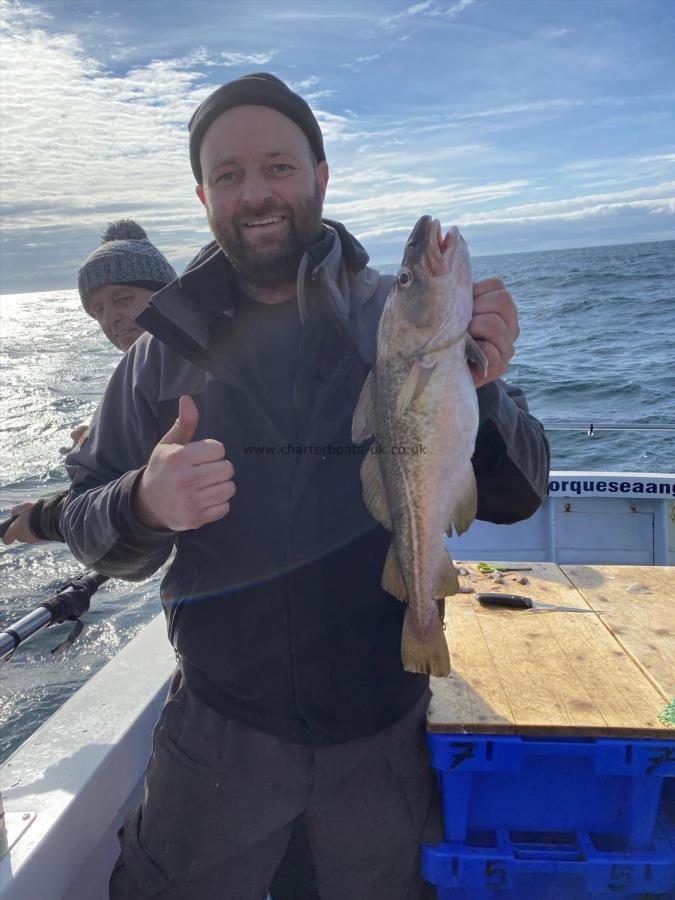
(512, 456)
(98, 520)
(45, 517)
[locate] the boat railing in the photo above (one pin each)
(592, 427)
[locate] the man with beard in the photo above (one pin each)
(289, 702)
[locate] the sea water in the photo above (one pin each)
(597, 345)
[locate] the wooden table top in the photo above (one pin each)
(603, 674)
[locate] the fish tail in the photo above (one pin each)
(424, 651)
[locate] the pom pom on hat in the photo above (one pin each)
(123, 230)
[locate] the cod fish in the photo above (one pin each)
(419, 402)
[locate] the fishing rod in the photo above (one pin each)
(593, 427)
(70, 601)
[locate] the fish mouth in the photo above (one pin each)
(426, 244)
(416, 246)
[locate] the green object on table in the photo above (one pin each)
(486, 568)
(668, 714)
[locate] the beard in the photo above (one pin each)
(277, 262)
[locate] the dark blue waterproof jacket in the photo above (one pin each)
(276, 611)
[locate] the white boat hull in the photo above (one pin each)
(76, 777)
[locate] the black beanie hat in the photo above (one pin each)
(259, 89)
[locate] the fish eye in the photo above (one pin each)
(404, 278)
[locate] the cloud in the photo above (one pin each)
(407, 13)
(601, 163)
(427, 9)
(386, 217)
(662, 202)
(360, 61)
(303, 85)
(543, 105)
(227, 58)
(307, 15)
(318, 95)
(510, 109)
(79, 134)
(83, 145)
(453, 10)
(24, 15)
(602, 171)
(552, 33)
(95, 125)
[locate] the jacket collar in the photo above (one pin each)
(207, 289)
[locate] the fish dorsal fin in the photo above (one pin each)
(476, 355)
(363, 423)
(374, 492)
(412, 387)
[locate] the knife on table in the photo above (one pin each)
(518, 601)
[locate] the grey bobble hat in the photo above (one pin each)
(258, 89)
(125, 256)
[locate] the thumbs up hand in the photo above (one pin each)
(185, 485)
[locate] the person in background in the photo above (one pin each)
(290, 702)
(115, 284)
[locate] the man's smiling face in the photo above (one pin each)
(263, 192)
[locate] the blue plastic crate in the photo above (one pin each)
(668, 819)
(606, 787)
(506, 865)
(669, 799)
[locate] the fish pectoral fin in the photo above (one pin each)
(475, 354)
(445, 578)
(412, 387)
(424, 651)
(465, 507)
(363, 422)
(392, 576)
(374, 492)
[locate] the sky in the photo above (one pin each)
(530, 124)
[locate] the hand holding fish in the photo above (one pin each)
(495, 327)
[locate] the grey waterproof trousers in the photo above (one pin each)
(220, 801)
